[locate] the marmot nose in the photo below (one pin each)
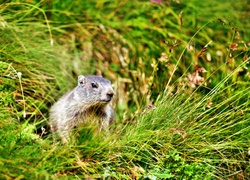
(110, 95)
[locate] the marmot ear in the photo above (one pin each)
(81, 79)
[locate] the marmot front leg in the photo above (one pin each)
(104, 124)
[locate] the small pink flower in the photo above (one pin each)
(156, 1)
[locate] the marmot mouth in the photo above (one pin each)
(106, 100)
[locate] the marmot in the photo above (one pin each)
(88, 102)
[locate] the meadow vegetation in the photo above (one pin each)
(181, 74)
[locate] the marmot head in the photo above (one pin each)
(94, 90)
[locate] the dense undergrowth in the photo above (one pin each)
(180, 70)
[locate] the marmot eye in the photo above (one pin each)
(94, 85)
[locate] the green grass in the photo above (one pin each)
(168, 126)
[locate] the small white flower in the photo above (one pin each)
(24, 114)
(219, 53)
(51, 42)
(19, 75)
